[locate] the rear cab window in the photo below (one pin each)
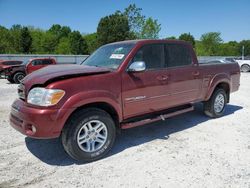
(177, 55)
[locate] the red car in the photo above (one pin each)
(121, 85)
(15, 73)
(7, 63)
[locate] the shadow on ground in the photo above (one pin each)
(51, 151)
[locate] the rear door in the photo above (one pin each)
(184, 76)
(147, 91)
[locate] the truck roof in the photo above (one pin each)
(150, 41)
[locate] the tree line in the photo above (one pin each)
(128, 24)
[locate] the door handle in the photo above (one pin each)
(196, 73)
(162, 78)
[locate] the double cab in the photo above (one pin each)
(121, 85)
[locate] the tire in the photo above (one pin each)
(245, 68)
(10, 79)
(213, 108)
(77, 130)
(18, 77)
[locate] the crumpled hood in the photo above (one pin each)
(2, 67)
(60, 72)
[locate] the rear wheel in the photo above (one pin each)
(245, 68)
(215, 106)
(18, 77)
(89, 134)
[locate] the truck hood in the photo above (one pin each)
(52, 73)
(2, 67)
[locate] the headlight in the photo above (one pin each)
(45, 97)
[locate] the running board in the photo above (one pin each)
(156, 118)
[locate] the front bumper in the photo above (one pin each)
(37, 122)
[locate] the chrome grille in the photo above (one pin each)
(21, 91)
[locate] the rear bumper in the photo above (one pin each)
(38, 123)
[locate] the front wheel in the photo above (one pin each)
(215, 106)
(89, 134)
(18, 77)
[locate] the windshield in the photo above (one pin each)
(110, 56)
(25, 62)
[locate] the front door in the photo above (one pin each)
(147, 91)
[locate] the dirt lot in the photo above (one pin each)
(190, 150)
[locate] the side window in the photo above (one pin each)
(152, 55)
(46, 62)
(36, 62)
(177, 55)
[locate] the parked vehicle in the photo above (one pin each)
(15, 73)
(121, 85)
(4, 64)
(244, 65)
(217, 61)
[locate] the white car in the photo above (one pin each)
(244, 65)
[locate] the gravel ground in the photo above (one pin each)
(189, 150)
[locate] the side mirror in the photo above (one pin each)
(137, 66)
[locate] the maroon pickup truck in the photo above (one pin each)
(121, 85)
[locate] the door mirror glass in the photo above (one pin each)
(137, 66)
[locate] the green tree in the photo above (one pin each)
(140, 26)
(187, 37)
(135, 19)
(49, 43)
(55, 29)
(246, 44)
(210, 43)
(37, 39)
(229, 49)
(200, 50)
(65, 31)
(171, 38)
(15, 36)
(112, 28)
(25, 40)
(77, 43)
(59, 31)
(63, 46)
(91, 41)
(5, 46)
(150, 29)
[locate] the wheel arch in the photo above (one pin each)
(220, 81)
(103, 106)
(17, 72)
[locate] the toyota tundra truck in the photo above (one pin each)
(121, 85)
